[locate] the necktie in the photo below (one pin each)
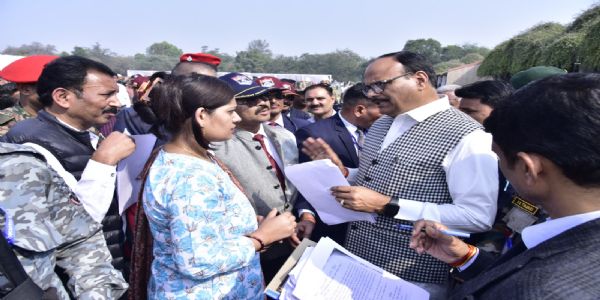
(361, 138)
(261, 139)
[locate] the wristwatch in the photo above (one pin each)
(391, 209)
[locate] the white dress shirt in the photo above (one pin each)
(278, 121)
(96, 186)
(270, 147)
(536, 234)
(471, 174)
(352, 130)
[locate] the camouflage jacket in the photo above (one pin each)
(51, 228)
(11, 115)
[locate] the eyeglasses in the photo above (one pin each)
(378, 86)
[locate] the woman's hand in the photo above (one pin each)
(275, 227)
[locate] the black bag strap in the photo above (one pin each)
(10, 266)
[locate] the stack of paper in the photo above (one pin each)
(329, 271)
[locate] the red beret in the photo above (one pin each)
(26, 69)
(200, 57)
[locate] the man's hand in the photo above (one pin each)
(443, 247)
(319, 149)
(303, 229)
(113, 148)
(360, 198)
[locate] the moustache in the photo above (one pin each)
(111, 110)
(262, 108)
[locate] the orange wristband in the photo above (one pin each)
(464, 259)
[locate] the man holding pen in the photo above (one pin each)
(546, 137)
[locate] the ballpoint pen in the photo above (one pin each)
(455, 233)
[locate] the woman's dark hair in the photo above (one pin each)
(178, 97)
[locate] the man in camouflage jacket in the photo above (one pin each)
(52, 229)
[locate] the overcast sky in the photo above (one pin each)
(369, 28)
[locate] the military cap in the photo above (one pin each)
(275, 83)
(532, 74)
(201, 58)
(26, 69)
(243, 86)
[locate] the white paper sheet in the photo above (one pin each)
(332, 272)
(314, 180)
(128, 170)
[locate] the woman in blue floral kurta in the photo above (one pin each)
(206, 236)
(198, 219)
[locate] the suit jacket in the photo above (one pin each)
(292, 124)
(563, 267)
(248, 162)
(332, 131)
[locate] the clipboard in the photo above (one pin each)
(273, 289)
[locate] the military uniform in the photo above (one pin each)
(51, 228)
(10, 116)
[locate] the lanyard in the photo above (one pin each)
(9, 227)
(355, 142)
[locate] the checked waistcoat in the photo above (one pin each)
(409, 168)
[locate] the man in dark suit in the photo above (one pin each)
(344, 132)
(546, 137)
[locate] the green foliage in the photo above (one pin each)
(563, 52)
(451, 52)
(443, 67)
(30, 49)
(256, 58)
(589, 51)
(429, 48)
(164, 49)
(549, 44)
(586, 19)
(521, 52)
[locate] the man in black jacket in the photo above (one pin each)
(546, 137)
(77, 94)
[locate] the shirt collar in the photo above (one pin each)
(349, 126)
(279, 120)
(539, 233)
(423, 112)
(261, 130)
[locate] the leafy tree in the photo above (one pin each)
(443, 67)
(520, 52)
(429, 48)
(452, 52)
(31, 49)
(255, 59)
(165, 49)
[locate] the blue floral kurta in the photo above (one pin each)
(198, 219)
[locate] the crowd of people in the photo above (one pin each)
(516, 164)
